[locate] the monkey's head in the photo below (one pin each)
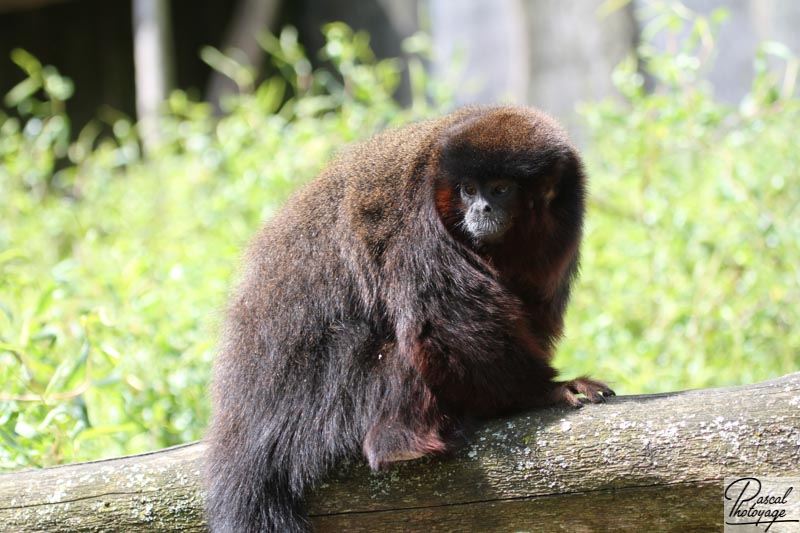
(506, 171)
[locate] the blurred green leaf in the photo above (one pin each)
(22, 91)
(24, 60)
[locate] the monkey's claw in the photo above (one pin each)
(592, 392)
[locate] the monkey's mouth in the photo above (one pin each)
(486, 229)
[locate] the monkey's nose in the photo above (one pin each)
(487, 208)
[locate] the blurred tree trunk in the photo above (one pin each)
(749, 23)
(487, 43)
(250, 19)
(575, 47)
(153, 59)
(547, 53)
(388, 22)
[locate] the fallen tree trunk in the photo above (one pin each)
(650, 462)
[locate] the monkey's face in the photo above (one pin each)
(489, 208)
(508, 178)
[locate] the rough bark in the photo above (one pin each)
(652, 462)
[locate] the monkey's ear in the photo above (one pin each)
(550, 193)
(552, 181)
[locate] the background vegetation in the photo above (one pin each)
(114, 265)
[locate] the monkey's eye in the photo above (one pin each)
(502, 187)
(469, 190)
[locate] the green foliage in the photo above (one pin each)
(689, 271)
(114, 267)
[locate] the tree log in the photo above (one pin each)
(653, 462)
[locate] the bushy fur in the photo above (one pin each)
(367, 321)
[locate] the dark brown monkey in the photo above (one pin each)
(419, 282)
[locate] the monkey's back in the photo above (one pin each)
(317, 259)
(307, 324)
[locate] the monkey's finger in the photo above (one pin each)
(595, 397)
(605, 390)
(565, 394)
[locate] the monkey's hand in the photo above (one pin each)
(569, 392)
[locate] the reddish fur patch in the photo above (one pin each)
(447, 205)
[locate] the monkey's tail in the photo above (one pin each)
(249, 499)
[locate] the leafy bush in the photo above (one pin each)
(114, 266)
(690, 274)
